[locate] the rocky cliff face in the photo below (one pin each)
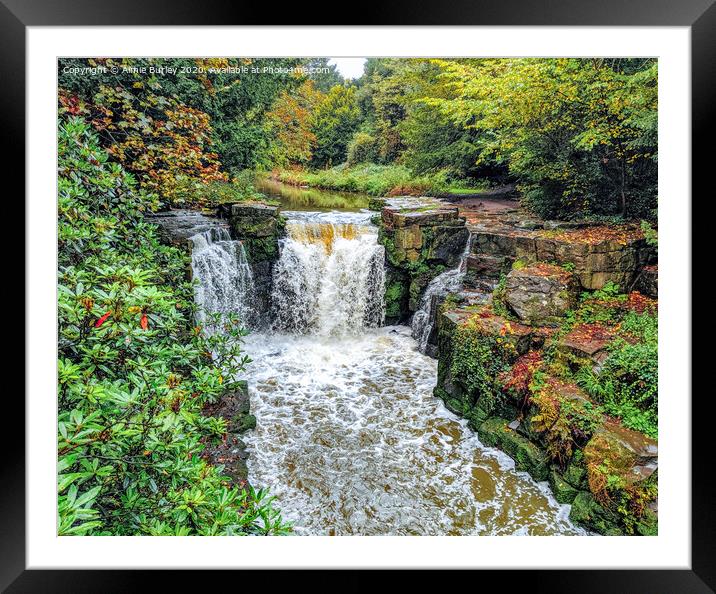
(422, 238)
(597, 254)
(491, 371)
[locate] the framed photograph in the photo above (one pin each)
(409, 295)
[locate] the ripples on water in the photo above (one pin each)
(351, 440)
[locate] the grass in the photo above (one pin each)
(376, 180)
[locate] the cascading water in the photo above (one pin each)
(349, 437)
(449, 281)
(225, 280)
(329, 279)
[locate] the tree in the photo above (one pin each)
(165, 143)
(383, 102)
(336, 119)
(236, 94)
(290, 125)
(578, 134)
(324, 75)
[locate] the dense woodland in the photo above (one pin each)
(576, 137)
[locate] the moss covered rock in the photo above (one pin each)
(527, 456)
(258, 226)
(587, 512)
(421, 241)
(576, 474)
(540, 294)
(396, 296)
(562, 490)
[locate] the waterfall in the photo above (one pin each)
(225, 278)
(449, 281)
(329, 279)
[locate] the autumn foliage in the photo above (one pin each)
(165, 143)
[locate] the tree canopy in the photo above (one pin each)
(577, 136)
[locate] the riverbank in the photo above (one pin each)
(379, 180)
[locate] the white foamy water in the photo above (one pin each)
(225, 279)
(351, 440)
(449, 281)
(330, 276)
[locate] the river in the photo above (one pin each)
(349, 437)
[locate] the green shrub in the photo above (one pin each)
(363, 148)
(134, 374)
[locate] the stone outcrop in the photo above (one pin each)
(177, 226)
(647, 282)
(259, 227)
(231, 453)
(540, 294)
(422, 238)
(497, 432)
(597, 254)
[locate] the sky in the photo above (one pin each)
(349, 67)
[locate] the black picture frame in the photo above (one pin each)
(699, 15)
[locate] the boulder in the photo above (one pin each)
(627, 453)
(586, 344)
(447, 244)
(540, 294)
(563, 492)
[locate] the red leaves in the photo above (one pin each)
(591, 333)
(102, 320)
(640, 303)
(519, 377)
(143, 322)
